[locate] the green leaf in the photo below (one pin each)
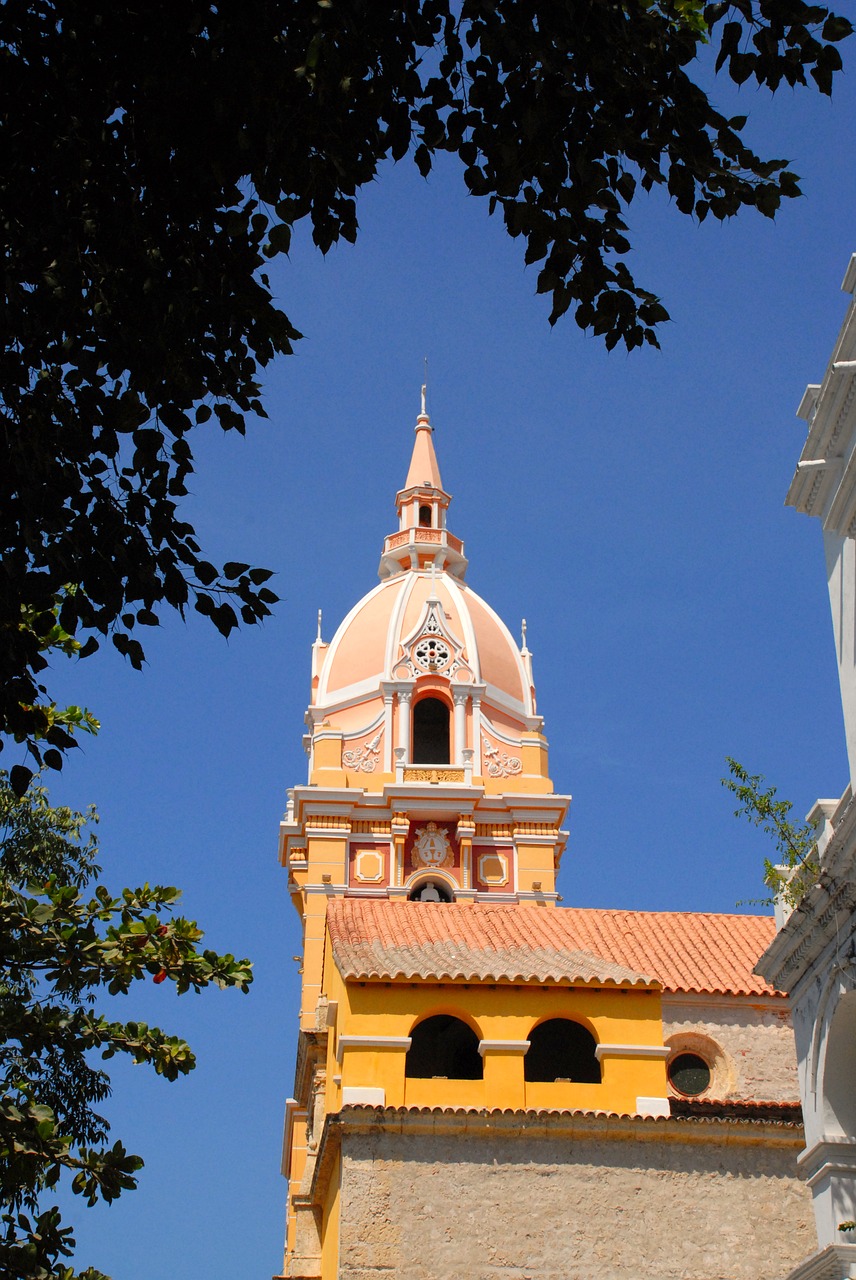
(20, 777)
(279, 238)
(837, 27)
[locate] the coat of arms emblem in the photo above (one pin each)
(431, 847)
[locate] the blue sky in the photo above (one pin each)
(629, 506)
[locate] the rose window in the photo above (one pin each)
(431, 653)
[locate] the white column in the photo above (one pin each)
(404, 696)
(387, 730)
(841, 575)
(460, 697)
(477, 736)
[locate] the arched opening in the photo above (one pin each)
(443, 1048)
(561, 1050)
(431, 890)
(839, 1095)
(425, 517)
(430, 732)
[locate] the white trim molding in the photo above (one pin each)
(503, 1046)
(371, 1042)
(293, 1111)
(631, 1051)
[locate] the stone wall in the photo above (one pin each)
(658, 1200)
(758, 1060)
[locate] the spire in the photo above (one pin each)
(527, 660)
(319, 649)
(424, 471)
(422, 541)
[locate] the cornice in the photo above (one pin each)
(311, 1049)
(838, 858)
(823, 915)
(835, 1262)
(521, 1123)
(822, 919)
(719, 1001)
(824, 483)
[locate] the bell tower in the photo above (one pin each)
(428, 784)
(423, 707)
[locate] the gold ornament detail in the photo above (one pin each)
(433, 775)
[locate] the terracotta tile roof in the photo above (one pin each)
(682, 951)
(515, 1120)
(379, 939)
(514, 1114)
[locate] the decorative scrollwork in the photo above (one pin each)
(365, 758)
(499, 764)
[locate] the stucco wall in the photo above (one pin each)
(429, 1207)
(756, 1039)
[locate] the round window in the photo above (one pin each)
(689, 1074)
(432, 653)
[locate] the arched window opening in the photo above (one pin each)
(430, 732)
(839, 1096)
(430, 891)
(444, 1048)
(561, 1050)
(425, 517)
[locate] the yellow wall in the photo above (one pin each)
(501, 1011)
(330, 1226)
(536, 866)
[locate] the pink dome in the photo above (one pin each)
(379, 641)
(423, 633)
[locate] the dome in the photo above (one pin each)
(422, 671)
(419, 624)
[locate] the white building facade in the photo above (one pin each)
(813, 956)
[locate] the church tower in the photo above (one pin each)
(447, 996)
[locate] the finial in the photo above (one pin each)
(424, 392)
(318, 637)
(523, 634)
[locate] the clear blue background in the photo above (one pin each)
(629, 506)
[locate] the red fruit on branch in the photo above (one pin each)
(159, 977)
